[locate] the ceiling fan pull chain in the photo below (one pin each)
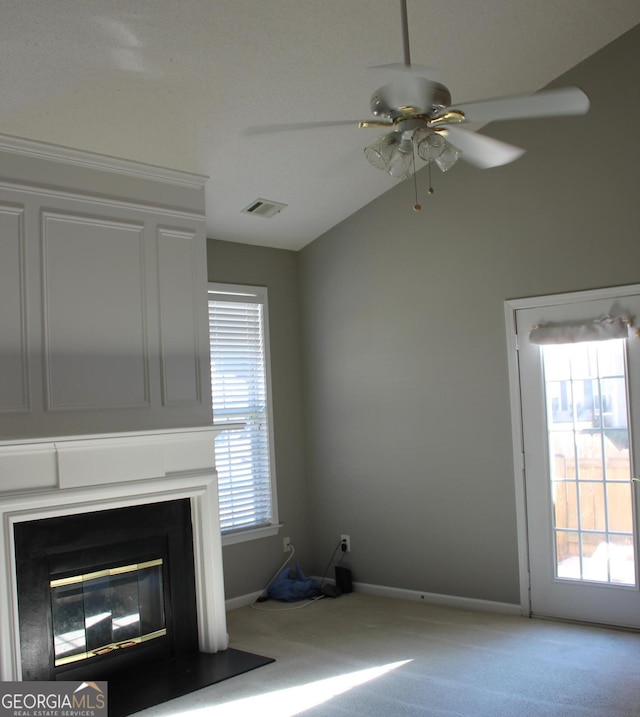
(416, 207)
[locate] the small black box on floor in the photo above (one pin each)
(343, 580)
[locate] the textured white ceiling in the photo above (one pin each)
(174, 82)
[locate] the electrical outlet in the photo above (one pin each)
(345, 539)
(286, 545)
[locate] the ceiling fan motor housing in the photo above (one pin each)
(410, 96)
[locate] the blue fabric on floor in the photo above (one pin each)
(292, 585)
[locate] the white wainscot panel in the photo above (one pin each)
(14, 383)
(179, 310)
(95, 320)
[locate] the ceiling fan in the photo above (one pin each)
(422, 121)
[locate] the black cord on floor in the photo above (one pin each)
(326, 570)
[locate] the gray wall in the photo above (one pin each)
(404, 341)
(249, 566)
(406, 405)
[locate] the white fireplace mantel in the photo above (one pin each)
(47, 478)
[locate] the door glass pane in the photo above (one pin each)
(619, 507)
(565, 502)
(590, 468)
(568, 554)
(589, 454)
(594, 558)
(592, 506)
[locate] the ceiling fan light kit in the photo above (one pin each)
(434, 148)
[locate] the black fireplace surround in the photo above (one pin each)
(67, 546)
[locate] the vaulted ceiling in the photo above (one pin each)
(175, 83)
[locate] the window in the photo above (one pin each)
(241, 394)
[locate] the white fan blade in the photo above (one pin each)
(273, 128)
(480, 150)
(549, 103)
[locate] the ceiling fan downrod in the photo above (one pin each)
(405, 33)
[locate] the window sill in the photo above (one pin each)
(243, 536)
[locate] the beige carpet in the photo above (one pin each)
(369, 656)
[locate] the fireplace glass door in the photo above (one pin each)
(106, 592)
(112, 609)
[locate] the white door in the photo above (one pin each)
(580, 422)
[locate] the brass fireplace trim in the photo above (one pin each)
(77, 579)
(105, 649)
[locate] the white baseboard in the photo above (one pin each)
(241, 600)
(460, 603)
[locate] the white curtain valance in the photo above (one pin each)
(601, 329)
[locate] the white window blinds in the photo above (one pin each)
(240, 387)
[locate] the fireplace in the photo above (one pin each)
(105, 592)
(91, 515)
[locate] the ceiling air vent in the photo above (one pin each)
(264, 208)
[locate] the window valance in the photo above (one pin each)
(601, 329)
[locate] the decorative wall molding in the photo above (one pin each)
(81, 336)
(101, 162)
(99, 201)
(94, 308)
(180, 313)
(15, 393)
